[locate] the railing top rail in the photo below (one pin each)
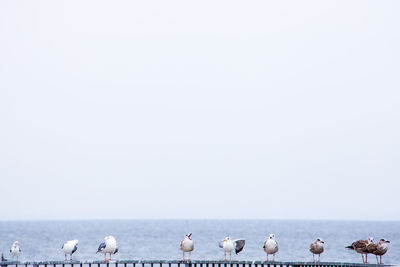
(273, 263)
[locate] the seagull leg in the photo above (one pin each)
(366, 258)
(230, 255)
(224, 255)
(381, 258)
(190, 254)
(362, 255)
(183, 255)
(319, 257)
(105, 257)
(313, 258)
(110, 256)
(267, 258)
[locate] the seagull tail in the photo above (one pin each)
(350, 247)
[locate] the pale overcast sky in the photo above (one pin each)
(200, 109)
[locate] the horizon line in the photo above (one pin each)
(197, 219)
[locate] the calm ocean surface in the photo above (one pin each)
(160, 239)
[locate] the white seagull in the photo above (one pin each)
(108, 246)
(228, 245)
(69, 247)
(187, 245)
(317, 247)
(15, 250)
(271, 246)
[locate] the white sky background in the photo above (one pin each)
(206, 109)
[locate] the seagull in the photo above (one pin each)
(360, 246)
(15, 250)
(108, 246)
(271, 246)
(317, 247)
(228, 245)
(69, 247)
(187, 246)
(378, 249)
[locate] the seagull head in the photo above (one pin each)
(384, 240)
(271, 236)
(227, 239)
(16, 243)
(189, 236)
(370, 240)
(319, 239)
(75, 241)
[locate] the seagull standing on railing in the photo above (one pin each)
(108, 246)
(378, 249)
(187, 245)
(69, 247)
(360, 246)
(317, 247)
(228, 245)
(271, 246)
(15, 250)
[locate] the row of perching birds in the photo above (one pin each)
(109, 246)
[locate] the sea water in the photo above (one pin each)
(160, 239)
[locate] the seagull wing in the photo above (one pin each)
(313, 247)
(239, 245)
(372, 247)
(115, 251)
(75, 248)
(221, 244)
(360, 244)
(101, 247)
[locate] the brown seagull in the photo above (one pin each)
(317, 247)
(360, 246)
(378, 249)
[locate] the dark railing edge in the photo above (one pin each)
(189, 262)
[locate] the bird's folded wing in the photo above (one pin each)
(101, 247)
(372, 247)
(221, 244)
(360, 244)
